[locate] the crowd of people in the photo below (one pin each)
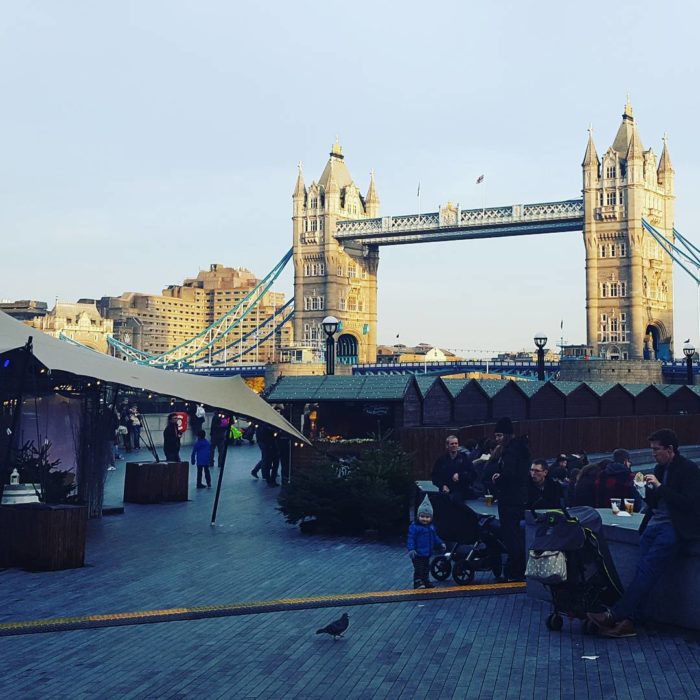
(503, 468)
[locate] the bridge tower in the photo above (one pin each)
(629, 279)
(330, 278)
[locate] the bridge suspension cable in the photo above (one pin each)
(678, 255)
(194, 348)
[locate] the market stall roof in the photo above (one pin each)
(298, 389)
(226, 393)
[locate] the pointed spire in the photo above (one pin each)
(634, 150)
(590, 158)
(372, 195)
(628, 114)
(300, 189)
(665, 165)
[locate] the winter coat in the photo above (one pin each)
(201, 453)
(615, 481)
(423, 539)
(444, 469)
(171, 439)
(681, 494)
(511, 487)
(549, 497)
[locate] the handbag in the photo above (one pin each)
(548, 567)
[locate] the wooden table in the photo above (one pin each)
(155, 482)
(41, 537)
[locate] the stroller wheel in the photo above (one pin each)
(441, 568)
(554, 622)
(462, 573)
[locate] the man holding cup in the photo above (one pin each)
(672, 494)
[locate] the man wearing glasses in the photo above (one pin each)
(542, 492)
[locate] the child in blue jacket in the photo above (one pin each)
(422, 541)
(201, 456)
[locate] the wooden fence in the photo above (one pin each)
(550, 437)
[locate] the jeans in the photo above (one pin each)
(513, 538)
(658, 546)
(207, 474)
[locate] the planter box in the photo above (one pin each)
(40, 537)
(154, 482)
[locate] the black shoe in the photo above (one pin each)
(254, 474)
(429, 584)
(201, 486)
(418, 584)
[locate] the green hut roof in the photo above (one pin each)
(340, 388)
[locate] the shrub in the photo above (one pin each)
(371, 493)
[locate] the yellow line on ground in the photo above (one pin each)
(50, 624)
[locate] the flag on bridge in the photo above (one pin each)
(418, 193)
(479, 179)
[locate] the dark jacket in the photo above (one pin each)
(615, 481)
(422, 539)
(681, 494)
(511, 487)
(549, 497)
(446, 467)
(171, 441)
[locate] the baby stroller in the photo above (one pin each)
(473, 540)
(569, 555)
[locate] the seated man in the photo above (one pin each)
(542, 492)
(453, 472)
(672, 494)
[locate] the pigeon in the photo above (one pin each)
(336, 629)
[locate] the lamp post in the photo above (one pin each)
(689, 352)
(540, 342)
(330, 326)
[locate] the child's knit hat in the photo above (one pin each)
(425, 508)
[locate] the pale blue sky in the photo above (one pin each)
(142, 141)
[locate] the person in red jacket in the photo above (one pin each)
(615, 480)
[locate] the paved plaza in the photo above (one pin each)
(160, 557)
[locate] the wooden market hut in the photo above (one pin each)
(581, 400)
(649, 400)
(470, 403)
(507, 398)
(350, 406)
(437, 400)
(545, 400)
(615, 399)
(680, 399)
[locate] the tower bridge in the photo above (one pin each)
(337, 233)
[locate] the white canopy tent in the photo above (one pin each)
(226, 393)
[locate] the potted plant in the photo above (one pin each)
(35, 466)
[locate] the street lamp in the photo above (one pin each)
(689, 352)
(540, 342)
(330, 326)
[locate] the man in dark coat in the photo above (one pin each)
(453, 472)
(672, 493)
(510, 482)
(219, 429)
(171, 439)
(543, 492)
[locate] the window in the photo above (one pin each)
(604, 289)
(352, 304)
(610, 171)
(352, 271)
(603, 250)
(339, 271)
(610, 198)
(314, 202)
(364, 274)
(341, 303)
